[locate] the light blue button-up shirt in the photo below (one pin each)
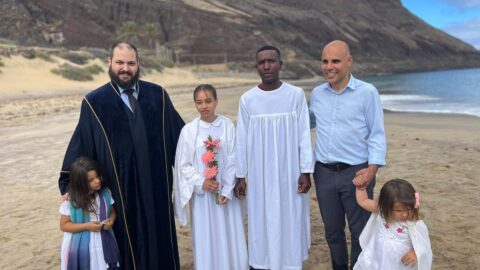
(349, 124)
(124, 95)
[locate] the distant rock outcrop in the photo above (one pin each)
(384, 36)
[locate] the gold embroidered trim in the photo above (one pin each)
(166, 174)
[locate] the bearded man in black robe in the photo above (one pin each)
(131, 128)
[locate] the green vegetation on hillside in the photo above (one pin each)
(77, 73)
(77, 57)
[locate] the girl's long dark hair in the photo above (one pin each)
(78, 189)
(397, 191)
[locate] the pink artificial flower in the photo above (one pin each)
(211, 143)
(386, 225)
(211, 172)
(208, 157)
(399, 229)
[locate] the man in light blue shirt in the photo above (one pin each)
(350, 142)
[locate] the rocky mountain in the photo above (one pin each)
(383, 35)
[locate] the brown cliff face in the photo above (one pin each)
(384, 37)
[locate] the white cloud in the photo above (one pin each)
(463, 3)
(468, 31)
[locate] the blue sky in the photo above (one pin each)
(459, 18)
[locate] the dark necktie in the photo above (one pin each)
(131, 99)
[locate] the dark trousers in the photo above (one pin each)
(336, 198)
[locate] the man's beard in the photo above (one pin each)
(124, 84)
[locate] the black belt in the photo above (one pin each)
(338, 166)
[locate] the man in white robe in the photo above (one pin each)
(274, 154)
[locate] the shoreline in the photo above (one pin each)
(449, 116)
(441, 121)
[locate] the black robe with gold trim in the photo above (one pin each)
(136, 152)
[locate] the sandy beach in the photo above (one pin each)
(438, 154)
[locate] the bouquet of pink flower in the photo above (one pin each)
(209, 158)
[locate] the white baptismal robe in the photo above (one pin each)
(217, 230)
(273, 149)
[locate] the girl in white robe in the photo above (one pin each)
(394, 237)
(217, 226)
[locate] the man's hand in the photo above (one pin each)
(240, 188)
(410, 258)
(304, 183)
(359, 183)
(364, 176)
(211, 185)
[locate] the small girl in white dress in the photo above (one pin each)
(394, 237)
(217, 226)
(86, 219)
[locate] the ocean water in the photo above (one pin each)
(449, 91)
